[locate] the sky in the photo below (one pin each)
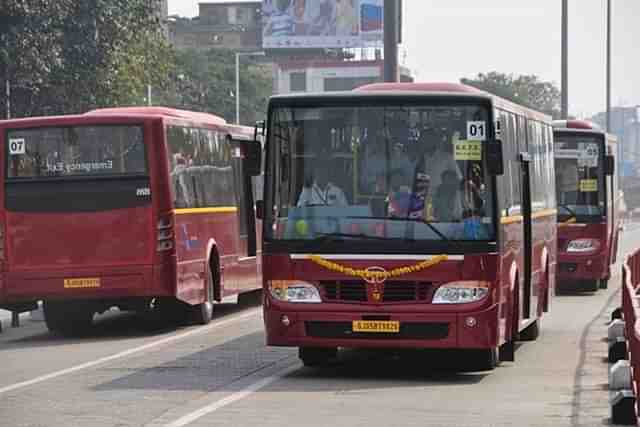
(445, 40)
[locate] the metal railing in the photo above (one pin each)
(624, 347)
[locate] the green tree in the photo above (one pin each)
(527, 90)
(68, 56)
(205, 81)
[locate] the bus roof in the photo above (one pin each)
(439, 90)
(576, 124)
(446, 88)
(119, 115)
(158, 112)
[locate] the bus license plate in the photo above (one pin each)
(85, 283)
(376, 326)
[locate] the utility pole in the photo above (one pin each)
(608, 65)
(390, 41)
(565, 60)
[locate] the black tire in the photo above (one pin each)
(604, 284)
(203, 313)
(484, 360)
(172, 312)
(531, 332)
(315, 356)
(592, 285)
(68, 318)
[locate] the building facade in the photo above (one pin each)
(329, 76)
(220, 25)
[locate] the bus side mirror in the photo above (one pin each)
(495, 163)
(609, 165)
(253, 158)
(260, 209)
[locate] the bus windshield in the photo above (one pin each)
(82, 151)
(579, 176)
(414, 173)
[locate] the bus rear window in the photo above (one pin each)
(83, 151)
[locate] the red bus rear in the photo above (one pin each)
(138, 208)
(397, 216)
(589, 204)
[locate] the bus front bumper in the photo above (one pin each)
(575, 268)
(472, 330)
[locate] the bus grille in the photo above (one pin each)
(408, 331)
(394, 291)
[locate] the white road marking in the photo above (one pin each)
(129, 352)
(239, 395)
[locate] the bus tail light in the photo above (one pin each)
(165, 233)
(461, 292)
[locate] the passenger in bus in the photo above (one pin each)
(322, 192)
(438, 156)
(378, 166)
(568, 183)
(447, 201)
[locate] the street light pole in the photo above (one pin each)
(390, 41)
(565, 60)
(608, 65)
(238, 55)
(237, 88)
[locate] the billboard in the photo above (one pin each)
(315, 24)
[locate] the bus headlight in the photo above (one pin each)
(583, 245)
(461, 292)
(294, 291)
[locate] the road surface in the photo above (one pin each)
(130, 374)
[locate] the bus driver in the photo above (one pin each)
(322, 192)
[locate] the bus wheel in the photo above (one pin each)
(484, 360)
(315, 356)
(68, 319)
(203, 313)
(604, 283)
(532, 332)
(592, 286)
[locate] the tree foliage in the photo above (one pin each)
(527, 90)
(68, 56)
(205, 81)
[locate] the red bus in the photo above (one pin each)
(399, 215)
(589, 204)
(138, 208)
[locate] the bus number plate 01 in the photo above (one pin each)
(376, 326)
(88, 283)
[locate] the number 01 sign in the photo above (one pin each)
(476, 131)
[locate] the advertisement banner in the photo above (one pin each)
(320, 24)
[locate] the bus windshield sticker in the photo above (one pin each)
(476, 131)
(17, 146)
(498, 126)
(589, 157)
(468, 150)
(61, 167)
(588, 185)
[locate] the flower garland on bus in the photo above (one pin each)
(377, 275)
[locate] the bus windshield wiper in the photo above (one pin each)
(572, 213)
(339, 237)
(420, 221)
